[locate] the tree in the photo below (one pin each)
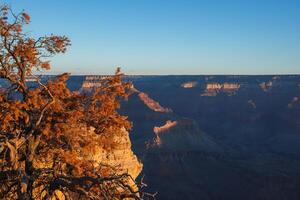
(40, 157)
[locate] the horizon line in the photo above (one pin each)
(279, 74)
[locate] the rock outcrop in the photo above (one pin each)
(120, 156)
(212, 89)
(266, 86)
(189, 84)
(113, 153)
(92, 82)
(182, 136)
(152, 104)
(161, 129)
(165, 127)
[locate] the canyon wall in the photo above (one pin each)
(183, 135)
(112, 152)
(229, 146)
(120, 156)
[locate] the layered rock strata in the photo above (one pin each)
(212, 89)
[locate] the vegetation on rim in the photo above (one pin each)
(40, 156)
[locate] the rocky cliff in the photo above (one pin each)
(111, 153)
(212, 89)
(167, 126)
(152, 104)
(120, 156)
(183, 136)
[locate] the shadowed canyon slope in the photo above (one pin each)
(215, 137)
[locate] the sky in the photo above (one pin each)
(170, 36)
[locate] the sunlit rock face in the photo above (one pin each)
(161, 129)
(182, 136)
(190, 84)
(114, 153)
(212, 89)
(90, 85)
(91, 82)
(214, 86)
(120, 156)
(152, 104)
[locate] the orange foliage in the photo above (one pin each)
(41, 145)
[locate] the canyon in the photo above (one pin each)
(214, 137)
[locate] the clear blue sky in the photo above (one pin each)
(171, 36)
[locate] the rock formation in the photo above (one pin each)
(189, 84)
(152, 104)
(266, 86)
(113, 153)
(161, 129)
(120, 156)
(165, 127)
(91, 82)
(212, 89)
(182, 136)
